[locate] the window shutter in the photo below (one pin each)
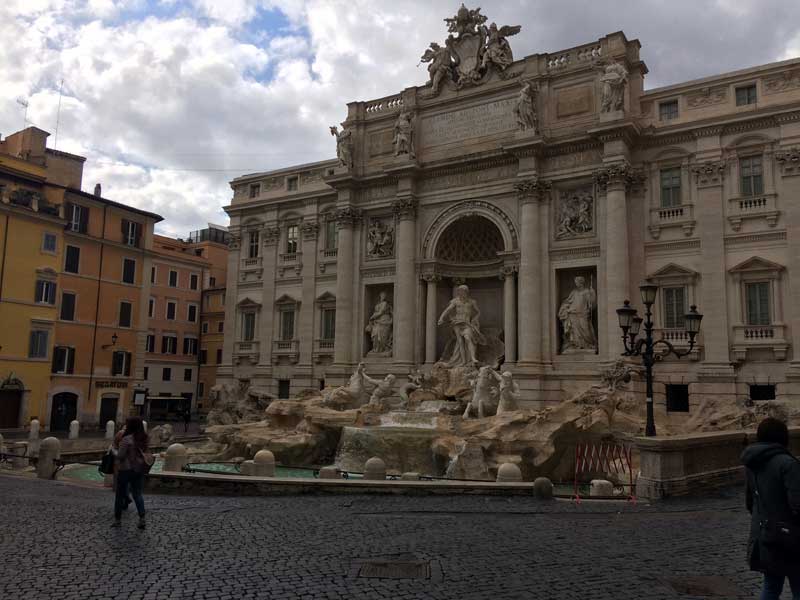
(186, 345)
(137, 234)
(127, 364)
(116, 363)
(125, 224)
(70, 360)
(164, 345)
(56, 355)
(39, 291)
(84, 227)
(51, 293)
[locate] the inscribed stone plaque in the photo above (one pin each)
(573, 101)
(476, 121)
(380, 142)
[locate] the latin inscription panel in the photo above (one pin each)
(466, 123)
(573, 101)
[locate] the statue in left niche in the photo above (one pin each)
(525, 109)
(404, 135)
(380, 327)
(344, 146)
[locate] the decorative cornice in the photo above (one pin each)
(615, 175)
(533, 189)
(764, 123)
(271, 235)
(507, 271)
(575, 253)
(710, 131)
(788, 117)
(755, 238)
(310, 230)
(405, 207)
(789, 161)
(709, 173)
(677, 246)
(571, 148)
(470, 166)
(431, 277)
(348, 216)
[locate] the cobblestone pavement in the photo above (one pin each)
(55, 542)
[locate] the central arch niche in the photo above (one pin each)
(470, 239)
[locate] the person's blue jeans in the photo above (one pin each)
(773, 586)
(128, 480)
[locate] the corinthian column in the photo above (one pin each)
(431, 281)
(346, 219)
(789, 163)
(530, 192)
(614, 180)
(405, 209)
(509, 313)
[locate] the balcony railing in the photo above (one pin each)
(672, 216)
(761, 206)
(329, 253)
(285, 349)
(760, 336)
(246, 347)
(323, 349)
(251, 263)
(290, 257)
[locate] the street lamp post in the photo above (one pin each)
(630, 323)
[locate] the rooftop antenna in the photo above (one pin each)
(23, 102)
(58, 113)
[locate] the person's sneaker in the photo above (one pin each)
(116, 523)
(141, 523)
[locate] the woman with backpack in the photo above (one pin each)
(133, 463)
(773, 499)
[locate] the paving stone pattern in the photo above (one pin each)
(55, 542)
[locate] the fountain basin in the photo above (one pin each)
(404, 449)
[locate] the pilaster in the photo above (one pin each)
(347, 218)
(405, 210)
(788, 161)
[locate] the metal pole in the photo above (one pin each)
(647, 358)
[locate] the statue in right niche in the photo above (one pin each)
(575, 314)
(380, 327)
(525, 109)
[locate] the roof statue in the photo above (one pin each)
(470, 52)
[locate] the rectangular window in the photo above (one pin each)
(146, 373)
(203, 356)
(166, 374)
(38, 344)
(125, 311)
(760, 392)
(212, 281)
(757, 299)
(150, 344)
(67, 306)
(330, 235)
(187, 374)
(746, 95)
(204, 327)
(201, 391)
(45, 292)
(291, 184)
(248, 327)
(219, 356)
(49, 242)
(674, 307)
(151, 307)
(677, 398)
(255, 189)
(153, 274)
(252, 244)
(190, 346)
(752, 176)
(328, 323)
(292, 233)
(72, 259)
(78, 217)
(287, 325)
(63, 360)
(169, 344)
(220, 326)
(284, 386)
(173, 279)
(171, 308)
(670, 187)
(193, 281)
(121, 363)
(130, 233)
(668, 110)
(128, 270)
(191, 313)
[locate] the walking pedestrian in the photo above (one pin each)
(187, 418)
(130, 453)
(773, 499)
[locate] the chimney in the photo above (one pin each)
(97, 189)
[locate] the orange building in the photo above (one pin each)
(102, 321)
(213, 243)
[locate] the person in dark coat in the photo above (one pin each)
(773, 496)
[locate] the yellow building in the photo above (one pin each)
(33, 181)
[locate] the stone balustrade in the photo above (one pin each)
(286, 349)
(761, 206)
(771, 337)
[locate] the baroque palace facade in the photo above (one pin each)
(551, 186)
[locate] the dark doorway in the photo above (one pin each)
(10, 406)
(283, 389)
(677, 398)
(64, 411)
(761, 392)
(108, 409)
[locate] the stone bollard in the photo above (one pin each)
(175, 458)
(74, 430)
(508, 472)
(542, 488)
(247, 467)
(409, 476)
(601, 487)
(264, 464)
(375, 469)
(329, 473)
(33, 438)
(49, 450)
(110, 426)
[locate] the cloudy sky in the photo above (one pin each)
(171, 99)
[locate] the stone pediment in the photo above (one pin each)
(326, 297)
(248, 303)
(757, 264)
(287, 299)
(674, 271)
